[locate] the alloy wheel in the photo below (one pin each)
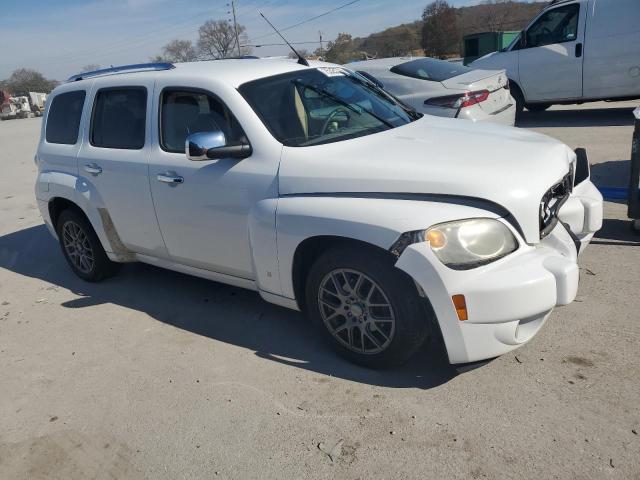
(77, 246)
(356, 311)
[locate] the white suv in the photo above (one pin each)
(312, 186)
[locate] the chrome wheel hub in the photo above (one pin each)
(356, 311)
(76, 244)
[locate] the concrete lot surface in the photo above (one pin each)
(158, 375)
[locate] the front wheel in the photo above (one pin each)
(367, 309)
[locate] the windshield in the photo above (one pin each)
(323, 105)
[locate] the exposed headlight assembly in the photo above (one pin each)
(464, 244)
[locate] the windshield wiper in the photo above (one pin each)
(368, 84)
(345, 104)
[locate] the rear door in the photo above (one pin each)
(113, 160)
(550, 62)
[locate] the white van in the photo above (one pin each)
(575, 51)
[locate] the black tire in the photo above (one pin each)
(97, 265)
(537, 107)
(410, 318)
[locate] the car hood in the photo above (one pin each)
(507, 166)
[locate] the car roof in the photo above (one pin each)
(234, 72)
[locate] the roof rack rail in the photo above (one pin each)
(138, 67)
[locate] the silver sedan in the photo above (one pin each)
(444, 89)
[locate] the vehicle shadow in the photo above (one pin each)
(613, 173)
(213, 310)
(588, 117)
(616, 232)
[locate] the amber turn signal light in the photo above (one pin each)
(436, 238)
(461, 307)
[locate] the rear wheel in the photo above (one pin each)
(367, 309)
(82, 248)
(537, 107)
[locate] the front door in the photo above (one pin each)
(550, 62)
(204, 213)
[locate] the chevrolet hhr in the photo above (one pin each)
(314, 187)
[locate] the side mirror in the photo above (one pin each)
(213, 146)
(198, 144)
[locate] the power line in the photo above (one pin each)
(328, 12)
(123, 43)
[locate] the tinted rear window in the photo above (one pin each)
(119, 118)
(430, 69)
(63, 121)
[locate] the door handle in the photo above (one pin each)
(93, 169)
(578, 50)
(170, 179)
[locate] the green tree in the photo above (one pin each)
(27, 80)
(440, 29)
(394, 41)
(341, 50)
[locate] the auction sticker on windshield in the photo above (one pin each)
(332, 71)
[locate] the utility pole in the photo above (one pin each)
(235, 25)
(321, 51)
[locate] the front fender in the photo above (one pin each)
(378, 221)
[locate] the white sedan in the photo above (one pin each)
(444, 89)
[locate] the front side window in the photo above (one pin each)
(556, 26)
(64, 117)
(430, 69)
(323, 105)
(119, 118)
(184, 112)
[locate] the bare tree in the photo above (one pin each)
(496, 14)
(177, 51)
(217, 39)
(439, 29)
(90, 68)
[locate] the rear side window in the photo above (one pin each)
(63, 121)
(119, 118)
(430, 69)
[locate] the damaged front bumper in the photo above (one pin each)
(508, 301)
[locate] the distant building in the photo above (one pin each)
(478, 45)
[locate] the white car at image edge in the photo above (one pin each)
(444, 89)
(317, 189)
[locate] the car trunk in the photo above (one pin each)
(478, 80)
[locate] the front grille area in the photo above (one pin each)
(552, 202)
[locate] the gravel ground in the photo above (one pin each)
(158, 375)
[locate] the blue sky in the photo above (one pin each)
(59, 37)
